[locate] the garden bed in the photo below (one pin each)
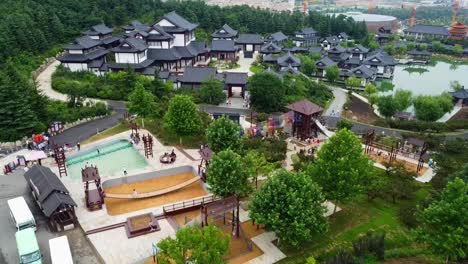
(360, 111)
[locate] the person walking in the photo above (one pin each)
(78, 146)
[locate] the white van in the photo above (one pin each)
(60, 250)
(20, 213)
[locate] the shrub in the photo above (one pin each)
(407, 215)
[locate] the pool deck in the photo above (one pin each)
(113, 245)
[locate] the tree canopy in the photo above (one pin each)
(387, 106)
(182, 116)
(332, 73)
(291, 205)
(211, 92)
(141, 102)
(403, 99)
(197, 245)
(430, 108)
(266, 92)
(341, 166)
(222, 134)
(444, 223)
(226, 175)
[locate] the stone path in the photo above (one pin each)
(336, 106)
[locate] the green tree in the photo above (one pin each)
(370, 89)
(402, 50)
(223, 134)
(402, 99)
(332, 73)
(458, 49)
(373, 99)
(423, 46)
(182, 116)
(341, 167)
(430, 108)
(399, 183)
(373, 45)
(387, 106)
(255, 163)
(291, 205)
(444, 223)
(17, 118)
(212, 92)
(343, 123)
(202, 35)
(390, 48)
(308, 66)
(353, 82)
(197, 245)
(411, 46)
(437, 46)
(141, 102)
(266, 92)
(226, 175)
(456, 86)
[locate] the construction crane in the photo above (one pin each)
(369, 8)
(455, 11)
(413, 16)
(305, 6)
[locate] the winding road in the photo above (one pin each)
(85, 130)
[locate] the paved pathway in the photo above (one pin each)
(450, 114)
(244, 63)
(83, 131)
(336, 106)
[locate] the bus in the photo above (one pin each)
(60, 250)
(20, 213)
(28, 249)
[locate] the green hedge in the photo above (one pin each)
(60, 111)
(421, 126)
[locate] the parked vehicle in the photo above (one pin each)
(28, 249)
(60, 250)
(20, 213)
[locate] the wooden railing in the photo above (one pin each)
(189, 204)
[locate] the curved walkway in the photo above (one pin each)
(336, 106)
(83, 131)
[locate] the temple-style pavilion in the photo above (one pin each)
(304, 115)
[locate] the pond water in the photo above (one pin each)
(433, 81)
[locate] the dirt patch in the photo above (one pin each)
(122, 206)
(360, 111)
(140, 222)
(461, 115)
(408, 165)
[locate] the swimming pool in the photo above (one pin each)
(111, 159)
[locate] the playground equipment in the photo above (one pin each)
(206, 155)
(168, 158)
(148, 145)
(94, 198)
(154, 193)
(215, 210)
(60, 159)
(305, 113)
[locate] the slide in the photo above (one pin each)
(327, 132)
(152, 194)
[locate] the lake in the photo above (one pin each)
(434, 81)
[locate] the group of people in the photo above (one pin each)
(39, 142)
(168, 157)
(135, 139)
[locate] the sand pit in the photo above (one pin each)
(122, 206)
(408, 165)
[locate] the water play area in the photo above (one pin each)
(111, 158)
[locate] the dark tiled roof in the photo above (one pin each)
(100, 29)
(83, 42)
(277, 36)
(416, 52)
(96, 63)
(363, 72)
(325, 62)
(305, 107)
(163, 54)
(428, 29)
(223, 45)
(95, 54)
(57, 201)
(160, 35)
(198, 74)
(110, 40)
(239, 78)
(269, 58)
(315, 49)
(179, 21)
(353, 61)
(306, 31)
(249, 39)
(289, 69)
(45, 181)
(379, 58)
(343, 35)
(358, 49)
(228, 32)
(270, 48)
(332, 40)
(271, 71)
(297, 50)
(337, 49)
(289, 59)
(137, 26)
(131, 45)
(460, 94)
(137, 66)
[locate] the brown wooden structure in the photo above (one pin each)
(141, 225)
(215, 210)
(148, 145)
(422, 157)
(304, 115)
(368, 138)
(94, 198)
(206, 155)
(60, 159)
(52, 197)
(134, 127)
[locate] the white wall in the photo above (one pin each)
(179, 40)
(126, 57)
(94, 37)
(164, 23)
(75, 51)
(249, 47)
(74, 67)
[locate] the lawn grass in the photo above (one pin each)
(356, 218)
(166, 137)
(119, 128)
(256, 68)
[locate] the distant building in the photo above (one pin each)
(225, 32)
(224, 50)
(460, 96)
(306, 37)
(277, 38)
(382, 62)
(329, 42)
(458, 31)
(421, 32)
(250, 43)
(323, 64)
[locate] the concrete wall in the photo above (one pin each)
(130, 57)
(74, 67)
(148, 176)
